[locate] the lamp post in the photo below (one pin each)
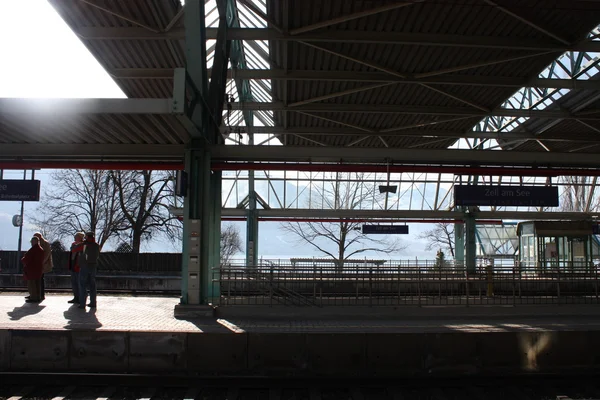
(21, 224)
(21, 217)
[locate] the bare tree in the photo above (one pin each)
(579, 194)
(342, 240)
(231, 243)
(144, 198)
(79, 200)
(440, 237)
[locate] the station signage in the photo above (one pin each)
(536, 196)
(385, 229)
(19, 190)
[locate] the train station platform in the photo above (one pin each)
(140, 334)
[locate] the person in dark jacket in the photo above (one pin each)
(48, 264)
(74, 255)
(33, 266)
(88, 266)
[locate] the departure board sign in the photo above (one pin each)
(385, 229)
(537, 196)
(19, 190)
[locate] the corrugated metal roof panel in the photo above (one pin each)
(92, 128)
(567, 19)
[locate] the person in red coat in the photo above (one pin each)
(74, 255)
(33, 266)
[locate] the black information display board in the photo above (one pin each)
(19, 190)
(385, 229)
(537, 196)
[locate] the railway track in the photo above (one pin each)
(24, 386)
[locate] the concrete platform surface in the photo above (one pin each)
(155, 314)
(114, 313)
(141, 335)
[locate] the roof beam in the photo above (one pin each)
(120, 16)
(435, 121)
(403, 109)
(217, 86)
(527, 22)
(393, 73)
(238, 61)
(411, 214)
(96, 150)
(349, 17)
(395, 155)
(365, 37)
(84, 106)
(351, 76)
(141, 73)
(248, 4)
(358, 128)
(464, 67)
(356, 60)
(339, 94)
(330, 131)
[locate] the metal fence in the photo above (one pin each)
(403, 284)
(109, 263)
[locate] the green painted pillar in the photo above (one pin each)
(470, 242)
(200, 229)
(207, 222)
(192, 228)
(214, 289)
(459, 243)
(252, 219)
(252, 225)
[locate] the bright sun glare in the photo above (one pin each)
(42, 57)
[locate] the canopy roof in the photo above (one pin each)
(346, 74)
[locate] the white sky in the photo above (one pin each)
(42, 57)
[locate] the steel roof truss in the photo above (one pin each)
(349, 17)
(426, 110)
(528, 22)
(437, 40)
(218, 81)
(365, 155)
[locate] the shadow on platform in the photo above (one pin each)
(78, 318)
(23, 311)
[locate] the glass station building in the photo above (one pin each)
(558, 246)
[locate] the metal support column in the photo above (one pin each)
(195, 51)
(470, 242)
(199, 233)
(214, 289)
(202, 116)
(252, 220)
(194, 114)
(192, 230)
(459, 243)
(20, 242)
(207, 223)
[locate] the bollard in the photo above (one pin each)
(558, 285)
(419, 285)
(398, 282)
(370, 287)
(467, 286)
(490, 278)
(228, 287)
(271, 286)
